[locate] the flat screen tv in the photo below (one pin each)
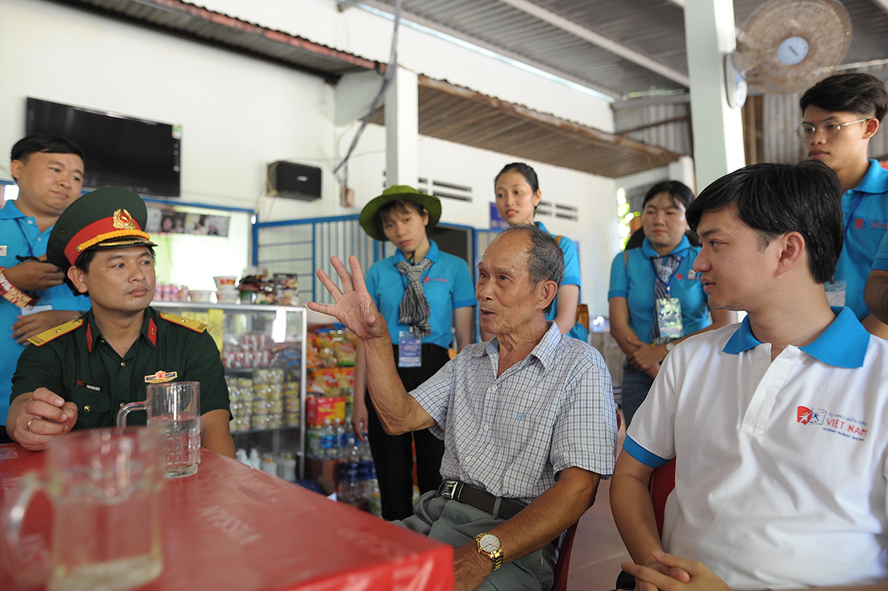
(118, 151)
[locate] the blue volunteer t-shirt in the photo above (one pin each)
(20, 236)
(865, 210)
(447, 285)
(634, 280)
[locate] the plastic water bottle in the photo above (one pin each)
(313, 443)
(374, 499)
(365, 470)
(348, 473)
(341, 434)
(328, 441)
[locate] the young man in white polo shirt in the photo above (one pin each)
(779, 425)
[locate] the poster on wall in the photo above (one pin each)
(166, 220)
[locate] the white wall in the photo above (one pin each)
(238, 113)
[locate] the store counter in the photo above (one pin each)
(231, 527)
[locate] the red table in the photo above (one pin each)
(231, 527)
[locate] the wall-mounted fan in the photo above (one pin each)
(788, 45)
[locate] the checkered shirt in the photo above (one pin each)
(510, 435)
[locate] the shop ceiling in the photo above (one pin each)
(630, 50)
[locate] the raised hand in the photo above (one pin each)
(354, 307)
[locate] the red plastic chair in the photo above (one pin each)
(563, 563)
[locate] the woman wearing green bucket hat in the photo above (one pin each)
(421, 292)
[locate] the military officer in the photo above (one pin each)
(78, 375)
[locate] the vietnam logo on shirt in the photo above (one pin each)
(848, 427)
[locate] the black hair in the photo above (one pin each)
(399, 205)
(774, 199)
(853, 93)
(680, 193)
(545, 259)
(526, 171)
(48, 144)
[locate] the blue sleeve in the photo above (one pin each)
(619, 281)
(642, 455)
(881, 261)
(371, 279)
(464, 288)
(571, 263)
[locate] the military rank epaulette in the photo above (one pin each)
(54, 333)
(186, 322)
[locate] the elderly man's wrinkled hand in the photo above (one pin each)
(470, 568)
(354, 307)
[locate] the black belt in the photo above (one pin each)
(458, 491)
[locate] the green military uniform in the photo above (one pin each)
(77, 364)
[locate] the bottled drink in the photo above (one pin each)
(313, 443)
(374, 498)
(365, 470)
(328, 441)
(341, 434)
(348, 473)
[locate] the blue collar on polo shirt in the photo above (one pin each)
(842, 344)
(432, 254)
(650, 253)
(11, 211)
(875, 180)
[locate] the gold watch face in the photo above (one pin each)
(489, 543)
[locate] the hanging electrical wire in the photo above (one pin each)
(390, 73)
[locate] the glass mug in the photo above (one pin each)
(174, 407)
(104, 485)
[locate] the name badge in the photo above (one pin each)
(669, 318)
(409, 350)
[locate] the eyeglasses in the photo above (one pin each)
(830, 129)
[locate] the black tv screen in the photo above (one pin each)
(118, 151)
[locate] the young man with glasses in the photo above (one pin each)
(840, 115)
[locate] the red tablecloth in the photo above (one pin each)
(231, 527)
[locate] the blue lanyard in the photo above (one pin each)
(851, 216)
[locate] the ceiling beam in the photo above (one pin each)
(408, 17)
(599, 40)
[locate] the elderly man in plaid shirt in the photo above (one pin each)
(528, 418)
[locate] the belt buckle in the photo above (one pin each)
(448, 488)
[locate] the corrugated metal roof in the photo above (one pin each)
(467, 117)
(201, 24)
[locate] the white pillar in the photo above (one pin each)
(718, 129)
(683, 171)
(402, 130)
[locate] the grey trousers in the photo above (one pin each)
(457, 524)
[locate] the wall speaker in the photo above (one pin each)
(293, 181)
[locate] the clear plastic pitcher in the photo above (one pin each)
(174, 408)
(104, 486)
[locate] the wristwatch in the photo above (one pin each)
(490, 546)
(669, 346)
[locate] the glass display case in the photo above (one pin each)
(263, 351)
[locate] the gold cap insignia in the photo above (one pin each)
(123, 220)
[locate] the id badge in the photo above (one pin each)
(409, 350)
(669, 318)
(835, 292)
